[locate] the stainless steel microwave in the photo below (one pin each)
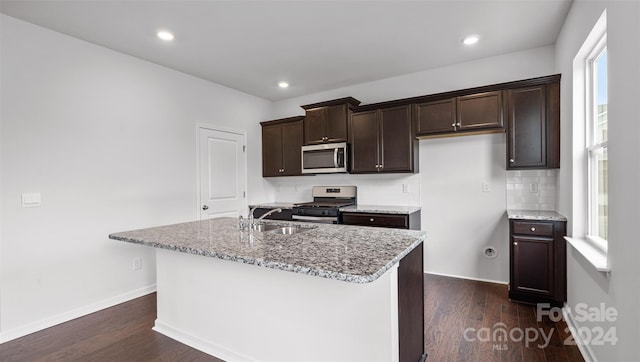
(325, 158)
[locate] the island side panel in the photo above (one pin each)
(242, 312)
(411, 306)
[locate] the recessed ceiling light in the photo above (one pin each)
(165, 35)
(283, 84)
(470, 40)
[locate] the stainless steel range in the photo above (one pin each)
(326, 204)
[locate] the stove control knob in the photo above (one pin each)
(324, 212)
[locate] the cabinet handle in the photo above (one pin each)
(515, 243)
(512, 160)
(371, 219)
(533, 229)
(453, 124)
(458, 124)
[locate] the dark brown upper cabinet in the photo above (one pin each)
(328, 121)
(473, 112)
(382, 140)
(436, 116)
(533, 122)
(281, 147)
(479, 111)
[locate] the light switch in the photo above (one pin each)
(486, 186)
(31, 199)
(405, 188)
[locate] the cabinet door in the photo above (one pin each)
(337, 123)
(526, 117)
(436, 116)
(292, 148)
(271, 150)
(396, 140)
(315, 125)
(481, 110)
(364, 142)
(532, 265)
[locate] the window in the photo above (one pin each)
(589, 233)
(596, 143)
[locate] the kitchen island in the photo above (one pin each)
(325, 292)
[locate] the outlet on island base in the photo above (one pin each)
(137, 263)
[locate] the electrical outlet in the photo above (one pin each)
(137, 263)
(486, 186)
(533, 188)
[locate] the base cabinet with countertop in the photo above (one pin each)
(328, 293)
(285, 214)
(399, 217)
(538, 272)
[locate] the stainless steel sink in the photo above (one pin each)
(265, 227)
(282, 230)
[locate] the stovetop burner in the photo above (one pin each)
(326, 204)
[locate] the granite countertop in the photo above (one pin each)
(350, 253)
(535, 215)
(274, 205)
(378, 209)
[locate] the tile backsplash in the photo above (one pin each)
(531, 189)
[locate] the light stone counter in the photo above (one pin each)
(379, 209)
(540, 215)
(349, 253)
(274, 205)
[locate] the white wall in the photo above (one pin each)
(110, 142)
(460, 218)
(585, 285)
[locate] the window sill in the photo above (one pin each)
(594, 255)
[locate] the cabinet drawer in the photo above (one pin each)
(533, 228)
(379, 220)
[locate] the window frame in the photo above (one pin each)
(592, 146)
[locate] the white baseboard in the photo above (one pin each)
(469, 278)
(585, 348)
(200, 344)
(73, 314)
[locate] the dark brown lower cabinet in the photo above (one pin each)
(538, 271)
(398, 221)
(285, 214)
(411, 306)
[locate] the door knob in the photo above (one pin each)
(205, 207)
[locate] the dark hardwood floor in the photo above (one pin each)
(454, 308)
(464, 320)
(120, 333)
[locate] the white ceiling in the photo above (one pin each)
(315, 46)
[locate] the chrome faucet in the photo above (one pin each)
(272, 211)
(251, 223)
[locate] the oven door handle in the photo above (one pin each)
(313, 218)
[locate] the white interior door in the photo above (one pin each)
(222, 173)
